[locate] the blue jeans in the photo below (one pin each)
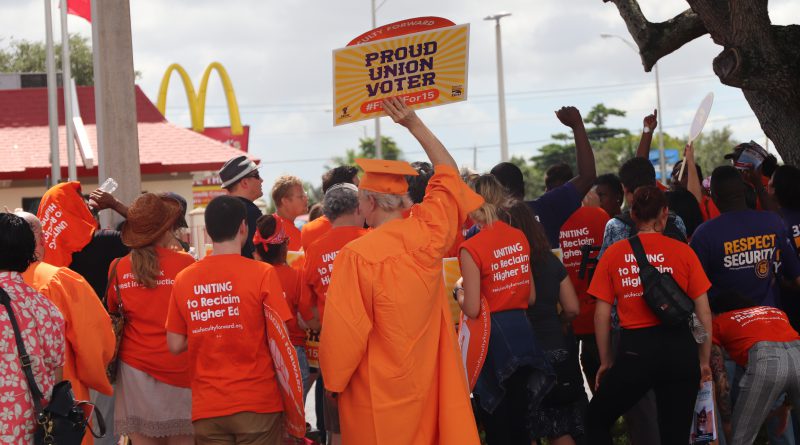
(305, 373)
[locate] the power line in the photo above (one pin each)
(290, 106)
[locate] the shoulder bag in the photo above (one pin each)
(117, 322)
(64, 420)
(661, 293)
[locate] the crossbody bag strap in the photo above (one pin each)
(646, 270)
(638, 251)
(108, 285)
(24, 358)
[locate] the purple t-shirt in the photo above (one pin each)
(738, 251)
(554, 208)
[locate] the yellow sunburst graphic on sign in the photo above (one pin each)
(426, 69)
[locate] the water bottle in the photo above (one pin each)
(109, 186)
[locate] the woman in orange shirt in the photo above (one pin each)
(650, 355)
(153, 400)
(495, 265)
(272, 246)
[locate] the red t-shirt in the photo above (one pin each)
(144, 340)
(584, 227)
(737, 331)
(319, 266)
(313, 230)
(218, 303)
(503, 257)
(290, 282)
(617, 276)
(708, 209)
(293, 232)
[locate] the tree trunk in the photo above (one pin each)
(780, 119)
(759, 58)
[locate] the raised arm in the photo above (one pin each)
(103, 200)
(401, 114)
(692, 179)
(571, 117)
(648, 128)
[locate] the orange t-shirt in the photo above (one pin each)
(737, 331)
(708, 209)
(218, 304)
(503, 257)
(617, 278)
(290, 282)
(319, 266)
(293, 232)
(584, 227)
(144, 341)
(313, 230)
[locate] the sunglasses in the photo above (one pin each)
(253, 175)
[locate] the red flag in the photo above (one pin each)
(81, 8)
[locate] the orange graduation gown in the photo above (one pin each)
(90, 340)
(388, 346)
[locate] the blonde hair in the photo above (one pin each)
(145, 265)
(495, 198)
(387, 201)
(283, 185)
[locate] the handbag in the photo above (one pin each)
(117, 323)
(661, 292)
(64, 420)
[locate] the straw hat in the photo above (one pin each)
(149, 217)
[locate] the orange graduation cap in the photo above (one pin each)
(383, 176)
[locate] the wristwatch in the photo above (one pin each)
(455, 292)
(646, 129)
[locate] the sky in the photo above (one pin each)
(278, 55)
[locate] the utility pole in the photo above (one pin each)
(115, 101)
(52, 96)
(378, 142)
(501, 90)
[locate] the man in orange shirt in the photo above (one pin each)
(388, 347)
(318, 227)
(290, 202)
(90, 340)
(217, 313)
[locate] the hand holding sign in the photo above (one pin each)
(698, 123)
(399, 112)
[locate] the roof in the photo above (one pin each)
(163, 147)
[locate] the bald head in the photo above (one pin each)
(36, 227)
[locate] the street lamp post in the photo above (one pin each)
(662, 159)
(501, 94)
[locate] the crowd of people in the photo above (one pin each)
(566, 281)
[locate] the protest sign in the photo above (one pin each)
(425, 69)
(473, 339)
(312, 348)
(287, 372)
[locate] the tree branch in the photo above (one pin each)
(656, 40)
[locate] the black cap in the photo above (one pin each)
(236, 169)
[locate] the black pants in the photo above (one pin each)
(508, 424)
(658, 358)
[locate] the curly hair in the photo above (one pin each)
(283, 186)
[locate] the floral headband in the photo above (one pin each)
(277, 237)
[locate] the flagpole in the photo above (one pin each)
(52, 98)
(66, 82)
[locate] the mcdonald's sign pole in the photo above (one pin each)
(115, 101)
